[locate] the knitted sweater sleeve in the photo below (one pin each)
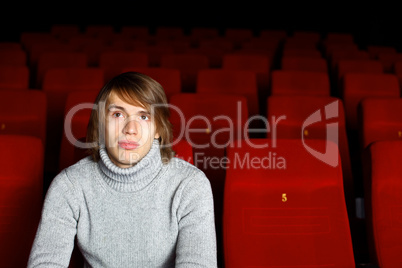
(54, 241)
(196, 244)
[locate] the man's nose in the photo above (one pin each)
(131, 127)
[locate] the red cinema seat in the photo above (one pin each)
(308, 35)
(169, 78)
(238, 82)
(77, 112)
(29, 38)
(209, 126)
(258, 63)
(188, 65)
(14, 77)
(50, 60)
(57, 84)
(166, 32)
(339, 37)
(103, 32)
(357, 86)
(301, 52)
(64, 31)
(23, 113)
(113, 62)
(314, 64)
(283, 207)
(313, 117)
(273, 34)
(358, 66)
(10, 45)
(383, 185)
(345, 52)
(388, 60)
(21, 195)
(92, 47)
(183, 150)
(398, 70)
(300, 83)
(135, 32)
(374, 51)
(38, 48)
(219, 42)
(380, 119)
(300, 42)
(13, 57)
(202, 33)
(238, 35)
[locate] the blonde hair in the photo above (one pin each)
(140, 90)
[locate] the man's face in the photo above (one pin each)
(130, 131)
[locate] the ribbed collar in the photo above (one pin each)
(134, 178)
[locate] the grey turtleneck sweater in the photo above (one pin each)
(149, 215)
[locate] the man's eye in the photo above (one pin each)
(144, 117)
(117, 114)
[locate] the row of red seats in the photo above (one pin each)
(296, 217)
(359, 80)
(299, 45)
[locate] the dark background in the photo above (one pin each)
(372, 23)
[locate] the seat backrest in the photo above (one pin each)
(13, 57)
(113, 62)
(383, 185)
(238, 82)
(14, 77)
(73, 79)
(300, 83)
(313, 117)
(302, 52)
(358, 66)
(304, 64)
(283, 207)
(21, 195)
(23, 113)
(77, 112)
(381, 119)
(209, 122)
(357, 86)
(49, 60)
(252, 62)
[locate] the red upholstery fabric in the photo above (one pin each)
(300, 83)
(21, 194)
(49, 60)
(23, 113)
(13, 57)
(284, 208)
(357, 86)
(302, 52)
(383, 186)
(211, 122)
(188, 65)
(184, 151)
(77, 126)
(258, 63)
(113, 62)
(14, 77)
(238, 82)
(304, 64)
(297, 110)
(358, 66)
(381, 119)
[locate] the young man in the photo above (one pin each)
(130, 204)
